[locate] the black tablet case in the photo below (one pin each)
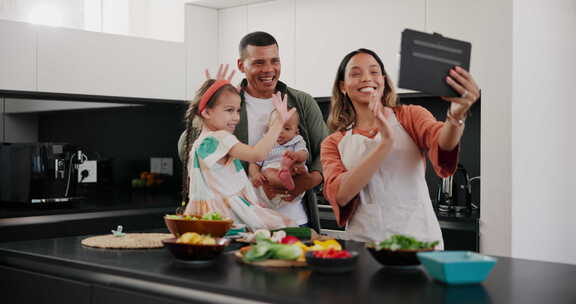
(426, 60)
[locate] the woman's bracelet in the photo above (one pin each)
(455, 121)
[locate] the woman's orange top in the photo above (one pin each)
(422, 127)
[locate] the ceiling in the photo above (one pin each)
(218, 4)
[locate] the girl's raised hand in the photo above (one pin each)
(222, 71)
(281, 106)
(461, 81)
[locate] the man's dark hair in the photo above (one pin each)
(255, 39)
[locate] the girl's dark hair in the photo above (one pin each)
(193, 122)
(342, 114)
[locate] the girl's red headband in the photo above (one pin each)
(210, 92)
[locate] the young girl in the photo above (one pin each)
(216, 180)
(374, 162)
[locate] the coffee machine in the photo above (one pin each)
(455, 194)
(39, 173)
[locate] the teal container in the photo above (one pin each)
(457, 267)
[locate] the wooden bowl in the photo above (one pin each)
(213, 228)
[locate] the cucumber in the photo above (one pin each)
(303, 233)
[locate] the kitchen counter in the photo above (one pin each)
(71, 273)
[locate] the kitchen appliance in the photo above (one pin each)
(455, 193)
(39, 173)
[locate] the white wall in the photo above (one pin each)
(544, 146)
(491, 65)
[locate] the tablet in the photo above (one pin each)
(426, 59)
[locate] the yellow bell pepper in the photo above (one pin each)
(325, 245)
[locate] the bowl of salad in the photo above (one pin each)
(211, 223)
(399, 250)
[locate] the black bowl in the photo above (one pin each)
(195, 252)
(332, 265)
(398, 257)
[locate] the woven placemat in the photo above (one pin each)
(127, 241)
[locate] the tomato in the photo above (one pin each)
(289, 240)
(332, 254)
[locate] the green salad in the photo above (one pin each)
(403, 242)
(210, 216)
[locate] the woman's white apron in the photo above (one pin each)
(396, 200)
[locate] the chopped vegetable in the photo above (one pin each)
(289, 240)
(196, 239)
(332, 254)
(212, 216)
(266, 249)
(328, 244)
(402, 242)
(302, 233)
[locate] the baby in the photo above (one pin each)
(289, 151)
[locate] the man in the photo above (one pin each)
(260, 62)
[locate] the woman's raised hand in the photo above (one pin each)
(281, 106)
(381, 114)
(222, 71)
(461, 81)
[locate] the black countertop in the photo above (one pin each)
(155, 272)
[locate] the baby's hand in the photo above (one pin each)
(299, 168)
(258, 179)
(290, 154)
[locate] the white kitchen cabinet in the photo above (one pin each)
(201, 45)
(82, 62)
(232, 26)
(17, 56)
(276, 18)
(326, 30)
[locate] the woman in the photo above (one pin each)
(374, 162)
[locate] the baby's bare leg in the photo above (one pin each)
(285, 174)
(272, 177)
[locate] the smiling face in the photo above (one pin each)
(261, 65)
(362, 78)
(225, 114)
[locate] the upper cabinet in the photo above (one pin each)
(81, 62)
(201, 33)
(37, 58)
(17, 56)
(277, 18)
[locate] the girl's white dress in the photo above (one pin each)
(225, 188)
